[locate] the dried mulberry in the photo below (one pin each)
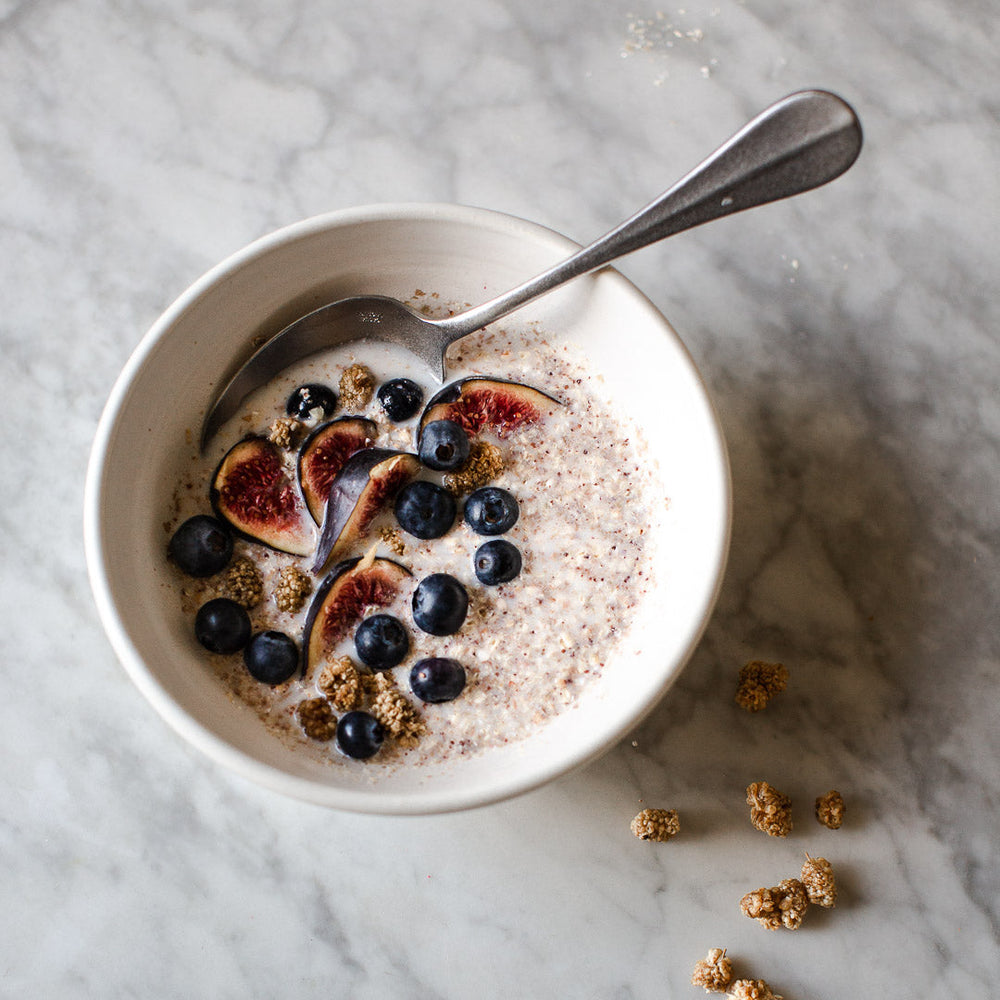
(317, 719)
(830, 809)
(357, 386)
(817, 877)
(392, 709)
(782, 905)
(484, 464)
(770, 810)
(759, 682)
(656, 824)
(292, 589)
(341, 683)
(752, 989)
(243, 583)
(714, 972)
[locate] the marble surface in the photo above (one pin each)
(850, 340)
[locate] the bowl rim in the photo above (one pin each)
(425, 801)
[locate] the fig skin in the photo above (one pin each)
(253, 493)
(368, 482)
(347, 594)
(478, 402)
(325, 452)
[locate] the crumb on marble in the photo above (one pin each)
(484, 464)
(357, 385)
(759, 682)
(285, 431)
(340, 681)
(817, 877)
(830, 809)
(292, 589)
(714, 972)
(770, 810)
(752, 989)
(243, 583)
(656, 824)
(317, 719)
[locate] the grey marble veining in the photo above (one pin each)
(849, 338)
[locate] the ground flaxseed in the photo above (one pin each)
(317, 719)
(357, 385)
(714, 972)
(770, 810)
(243, 583)
(830, 809)
(759, 682)
(656, 824)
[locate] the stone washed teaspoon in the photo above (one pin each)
(799, 143)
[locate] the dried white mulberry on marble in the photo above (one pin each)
(830, 809)
(770, 810)
(656, 824)
(714, 972)
(782, 905)
(758, 683)
(752, 989)
(817, 877)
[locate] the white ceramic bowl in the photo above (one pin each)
(464, 254)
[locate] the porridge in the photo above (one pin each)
(434, 611)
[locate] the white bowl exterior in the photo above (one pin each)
(465, 255)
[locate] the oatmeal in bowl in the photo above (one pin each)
(383, 594)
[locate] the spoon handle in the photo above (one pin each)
(799, 143)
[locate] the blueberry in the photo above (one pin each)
(437, 679)
(444, 446)
(491, 511)
(400, 398)
(271, 657)
(222, 626)
(497, 562)
(381, 642)
(425, 510)
(201, 546)
(439, 604)
(359, 735)
(307, 398)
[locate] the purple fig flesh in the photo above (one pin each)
(349, 592)
(479, 403)
(325, 452)
(368, 481)
(254, 492)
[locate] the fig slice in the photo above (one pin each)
(478, 402)
(368, 481)
(254, 492)
(350, 591)
(324, 453)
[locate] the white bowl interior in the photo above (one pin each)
(463, 254)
